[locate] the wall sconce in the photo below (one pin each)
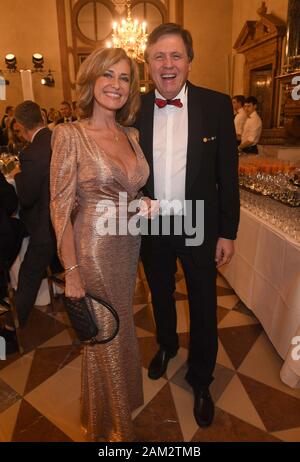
(38, 61)
(48, 80)
(11, 62)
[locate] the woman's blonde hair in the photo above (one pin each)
(95, 65)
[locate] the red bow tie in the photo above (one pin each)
(163, 102)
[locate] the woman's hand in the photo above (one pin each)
(148, 208)
(74, 287)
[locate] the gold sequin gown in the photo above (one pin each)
(81, 175)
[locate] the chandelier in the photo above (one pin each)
(130, 35)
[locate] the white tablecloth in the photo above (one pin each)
(265, 274)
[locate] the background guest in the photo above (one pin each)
(252, 128)
(32, 185)
(240, 118)
(66, 113)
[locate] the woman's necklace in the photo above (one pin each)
(114, 134)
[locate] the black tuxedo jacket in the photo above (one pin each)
(212, 161)
(33, 188)
(11, 232)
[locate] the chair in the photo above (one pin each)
(57, 279)
(11, 307)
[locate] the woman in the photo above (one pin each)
(94, 160)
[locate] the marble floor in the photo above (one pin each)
(39, 392)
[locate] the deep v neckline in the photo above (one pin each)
(103, 151)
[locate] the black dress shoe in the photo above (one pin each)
(204, 408)
(159, 364)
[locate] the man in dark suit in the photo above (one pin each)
(11, 229)
(66, 112)
(188, 137)
(32, 185)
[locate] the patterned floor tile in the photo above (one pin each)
(263, 364)
(179, 378)
(148, 348)
(48, 361)
(176, 363)
(58, 398)
(223, 358)
(138, 306)
(66, 337)
(252, 404)
(227, 301)
(228, 428)
(144, 319)
(8, 396)
(222, 378)
(238, 340)
(184, 340)
(151, 388)
(184, 402)
(158, 421)
(241, 307)
(183, 317)
(180, 296)
(8, 421)
(221, 282)
(16, 373)
(237, 402)
(224, 291)
(291, 436)
(32, 337)
(221, 313)
(234, 318)
(277, 410)
(31, 426)
(143, 333)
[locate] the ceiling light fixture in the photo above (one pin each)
(48, 80)
(11, 62)
(38, 61)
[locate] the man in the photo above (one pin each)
(8, 116)
(252, 128)
(11, 229)
(11, 235)
(66, 112)
(32, 185)
(240, 118)
(188, 137)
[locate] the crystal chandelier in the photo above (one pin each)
(130, 35)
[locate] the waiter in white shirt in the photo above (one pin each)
(240, 118)
(187, 135)
(252, 128)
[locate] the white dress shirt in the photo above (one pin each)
(252, 129)
(240, 120)
(170, 139)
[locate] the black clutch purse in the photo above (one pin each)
(83, 320)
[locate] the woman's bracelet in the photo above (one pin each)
(71, 268)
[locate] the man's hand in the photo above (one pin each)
(224, 251)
